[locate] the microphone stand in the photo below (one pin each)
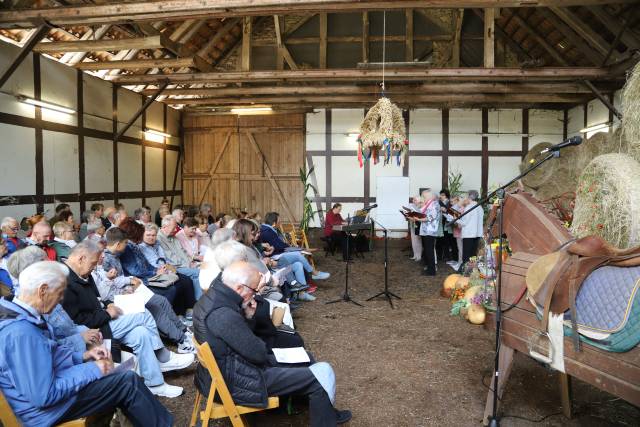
(494, 421)
(386, 293)
(345, 296)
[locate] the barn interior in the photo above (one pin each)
(256, 106)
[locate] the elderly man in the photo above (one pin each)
(40, 236)
(178, 214)
(175, 254)
(64, 240)
(47, 384)
(10, 228)
(138, 330)
(250, 372)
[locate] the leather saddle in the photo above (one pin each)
(565, 270)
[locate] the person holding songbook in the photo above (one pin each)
(332, 219)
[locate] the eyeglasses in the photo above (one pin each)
(249, 287)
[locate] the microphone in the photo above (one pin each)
(574, 140)
(368, 208)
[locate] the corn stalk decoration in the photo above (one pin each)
(307, 208)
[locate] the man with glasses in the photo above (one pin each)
(222, 317)
(10, 228)
(40, 237)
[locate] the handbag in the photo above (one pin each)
(163, 280)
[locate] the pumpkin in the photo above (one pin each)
(476, 314)
(449, 284)
(462, 282)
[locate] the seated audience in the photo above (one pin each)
(40, 236)
(142, 215)
(271, 235)
(179, 291)
(175, 254)
(47, 384)
(206, 210)
(163, 210)
(218, 223)
(188, 238)
(64, 240)
(221, 318)
(95, 231)
(204, 238)
(62, 207)
(65, 332)
(111, 281)
(97, 210)
(10, 228)
(209, 268)
(333, 218)
(138, 331)
(6, 283)
(471, 227)
(178, 215)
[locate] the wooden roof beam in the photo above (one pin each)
(407, 99)
(439, 88)
(539, 38)
(127, 12)
(630, 39)
(152, 42)
(506, 37)
(391, 74)
(140, 64)
(583, 30)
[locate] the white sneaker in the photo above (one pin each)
(455, 266)
(177, 361)
(186, 346)
(305, 296)
(166, 390)
(322, 275)
(451, 262)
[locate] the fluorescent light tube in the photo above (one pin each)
(47, 105)
(250, 110)
(157, 133)
(594, 128)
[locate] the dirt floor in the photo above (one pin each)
(415, 365)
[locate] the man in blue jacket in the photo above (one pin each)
(47, 384)
(285, 256)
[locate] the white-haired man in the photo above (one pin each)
(137, 330)
(471, 227)
(10, 228)
(47, 384)
(250, 372)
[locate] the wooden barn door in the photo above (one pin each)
(245, 162)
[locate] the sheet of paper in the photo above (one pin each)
(127, 365)
(291, 355)
(279, 275)
(129, 303)
(145, 292)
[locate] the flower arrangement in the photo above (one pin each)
(382, 131)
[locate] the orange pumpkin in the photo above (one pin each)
(449, 284)
(462, 282)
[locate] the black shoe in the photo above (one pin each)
(343, 416)
(293, 306)
(427, 273)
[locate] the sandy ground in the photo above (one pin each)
(415, 365)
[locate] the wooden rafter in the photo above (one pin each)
(489, 37)
(288, 31)
(457, 33)
(580, 27)
(392, 74)
(630, 39)
(152, 42)
(247, 30)
(189, 9)
(192, 62)
(408, 34)
(322, 60)
(365, 36)
(226, 28)
(500, 32)
(283, 52)
(535, 35)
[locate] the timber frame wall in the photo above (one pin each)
(146, 188)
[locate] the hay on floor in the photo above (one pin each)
(608, 200)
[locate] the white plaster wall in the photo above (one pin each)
(153, 168)
(98, 165)
(60, 158)
(129, 167)
(18, 170)
(20, 82)
(58, 87)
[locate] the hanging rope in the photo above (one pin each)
(384, 46)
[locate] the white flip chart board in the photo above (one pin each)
(392, 193)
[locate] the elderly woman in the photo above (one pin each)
(209, 268)
(135, 263)
(429, 228)
(95, 231)
(65, 331)
(6, 282)
(414, 228)
(10, 228)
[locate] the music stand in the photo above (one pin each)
(345, 296)
(386, 292)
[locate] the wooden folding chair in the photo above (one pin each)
(9, 419)
(215, 410)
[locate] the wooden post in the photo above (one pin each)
(408, 49)
(565, 394)
(323, 40)
(457, 36)
(365, 36)
(489, 37)
(246, 43)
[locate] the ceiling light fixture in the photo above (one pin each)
(251, 110)
(46, 105)
(594, 128)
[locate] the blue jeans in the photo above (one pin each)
(139, 331)
(289, 258)
(125, 391)
(297, 273)
(194, 275)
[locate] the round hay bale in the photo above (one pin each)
(608, 200)
(631, 106)
(591, 148)
(541, 175)
(449, 285)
